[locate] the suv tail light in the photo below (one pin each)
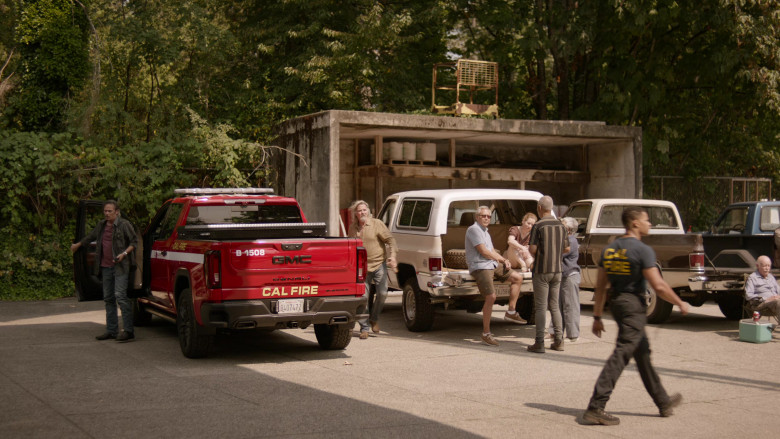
(696, 261)
(362, 264)
(434, 264)
(213, 269)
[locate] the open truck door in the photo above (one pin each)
(88, 286)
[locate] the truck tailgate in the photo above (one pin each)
(290, 268)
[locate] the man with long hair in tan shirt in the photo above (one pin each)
(377, 241)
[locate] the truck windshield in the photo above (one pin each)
(580, 212)
(732, 221)
(661, 217)
(250, 214)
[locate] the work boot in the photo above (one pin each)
(599, 416)
(105, 336)
(557, 345)
(125, 336)
(375, 327)
(537, 348)
(674, 401)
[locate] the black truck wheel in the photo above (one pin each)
(193, 343)
(333, 337)
(141, 317)
(417, 307)
(658, 310)
(731, 306)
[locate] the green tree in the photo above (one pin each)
(52, 37)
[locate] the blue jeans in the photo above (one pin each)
(379, 278)
(115, 292)
(569, 299)
(546, 289)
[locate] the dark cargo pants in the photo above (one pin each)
(629, 312)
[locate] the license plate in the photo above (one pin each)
(289, 306)
(501, 290)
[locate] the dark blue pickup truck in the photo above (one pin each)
(743, 232)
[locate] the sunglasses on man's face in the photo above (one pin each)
(484, 216)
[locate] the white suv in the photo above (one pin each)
(430, 229)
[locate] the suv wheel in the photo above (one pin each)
(417, 307)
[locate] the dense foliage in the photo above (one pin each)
(129, 99)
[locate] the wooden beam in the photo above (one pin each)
(378, 189)
(355, 177)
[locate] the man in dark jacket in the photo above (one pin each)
(116, 239)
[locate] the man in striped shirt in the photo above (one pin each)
(548, 244)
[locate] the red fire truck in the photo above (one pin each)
(225, 260)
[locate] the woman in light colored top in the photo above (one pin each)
(519, 237)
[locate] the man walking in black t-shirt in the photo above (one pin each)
(627, 264)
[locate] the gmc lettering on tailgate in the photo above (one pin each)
(301, 259)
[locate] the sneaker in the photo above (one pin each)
(599, 416)
(674, 401)
(573, 339)
(105, 336)
(375, 327)
(125, 336)
(488, 339)
(515, 318)
(557, 345)
(536, 348)
(363, 335)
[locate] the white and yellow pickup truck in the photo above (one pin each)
(679, 254)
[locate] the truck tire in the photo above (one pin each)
(333, 337)
(731, 306)
(417, 307)
(455, 259)
(658, 310)
(193, 343)
(141, 317)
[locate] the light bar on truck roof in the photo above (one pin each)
(224, 191)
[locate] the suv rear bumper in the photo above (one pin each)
(460, 284)
(251, 314)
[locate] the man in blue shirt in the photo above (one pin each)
(486, 264)
(762, 287)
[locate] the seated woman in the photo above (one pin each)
(519, 237)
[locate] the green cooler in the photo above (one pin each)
(755, 332)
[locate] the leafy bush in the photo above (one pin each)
(35, 267)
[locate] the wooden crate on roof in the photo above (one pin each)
(469, 75)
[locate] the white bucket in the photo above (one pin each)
(386, 151)
(396, 151)
(428, 152)
(410, 151)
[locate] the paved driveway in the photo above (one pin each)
(57, 381)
